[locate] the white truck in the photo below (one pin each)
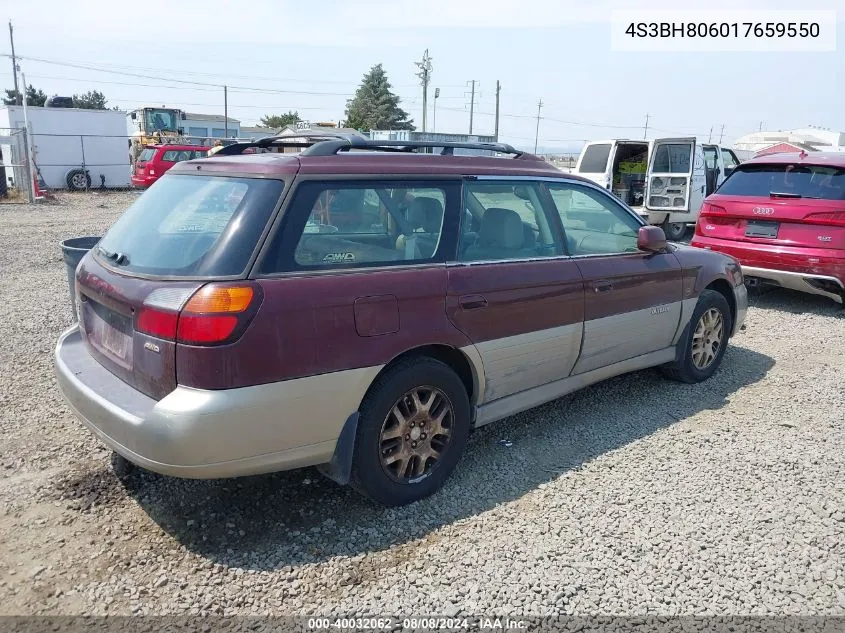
(664, 180)
(72, 148)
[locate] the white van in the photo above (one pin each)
(664, 180)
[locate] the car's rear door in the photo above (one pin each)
(632, 299)
(671, 185)
(513, 290)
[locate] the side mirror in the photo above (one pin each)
(134, 116)
(651, 239)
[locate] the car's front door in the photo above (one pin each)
(633, 299)
(513, 292)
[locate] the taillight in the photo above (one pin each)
(829, 218)
(158, 323)
(151, 171)
(212, 315)
(708, 208)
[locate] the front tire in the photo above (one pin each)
(703, 345)
(412, 431)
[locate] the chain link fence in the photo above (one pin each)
(15, 180)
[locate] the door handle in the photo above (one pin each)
(470, 302)
(602, 286)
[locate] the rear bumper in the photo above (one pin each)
(141, 183)
(809, 283)
(811, 270)
(205, 434)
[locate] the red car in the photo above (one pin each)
(154, 160)
(783, 217)
(363, 305)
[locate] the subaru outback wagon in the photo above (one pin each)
(362, 305)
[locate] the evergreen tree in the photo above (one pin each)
(33, 97)
(375, 107)
(93, 100)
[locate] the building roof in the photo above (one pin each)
(193, 116)
(258, 128)
(780, 148)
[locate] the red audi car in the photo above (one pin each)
(783, 217)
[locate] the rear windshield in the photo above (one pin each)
(805, 181)
(147, 154)
(191, 226)
(595, 158)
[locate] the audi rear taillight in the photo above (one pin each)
(828, 218)
(709, 208)
(212, 315)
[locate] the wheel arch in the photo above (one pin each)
(724, 288)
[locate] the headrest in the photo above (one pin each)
(502, 228)
(426, 213)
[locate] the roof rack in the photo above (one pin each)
(331, 143)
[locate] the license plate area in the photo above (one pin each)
(109, 332)
(760, 228)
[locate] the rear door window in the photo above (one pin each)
(507, 221)
(192, 226)
(146, 155)
(595, 158)
(800, 181)
(177, 156)
(672, 158)
(364, 223)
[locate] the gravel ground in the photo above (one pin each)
(636, 496)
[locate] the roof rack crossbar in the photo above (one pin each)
(331, 143)
(328, 148)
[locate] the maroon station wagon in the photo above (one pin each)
(363, 305)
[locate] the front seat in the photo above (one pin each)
(501, 236)
(425, 216)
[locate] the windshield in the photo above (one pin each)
(192, 226)
(804, 181)
(164, 120)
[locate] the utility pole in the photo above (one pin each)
(434, 122)
(14, 64)
(645, 129)
(498, 90)
(760, 128)
(710, 137)
(29, 171)
(721, 134)
(425, 76)
(537, 132)
(226, 111)
(471, 105)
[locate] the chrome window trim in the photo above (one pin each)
(577, 182)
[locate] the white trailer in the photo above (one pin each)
(72, 148)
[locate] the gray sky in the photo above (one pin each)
(309, 56)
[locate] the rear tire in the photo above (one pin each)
(78, 180)
(703, 345)
(412, 431)
(674, 231)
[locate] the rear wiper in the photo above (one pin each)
(117, 258)
(784, 194)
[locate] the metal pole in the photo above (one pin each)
(14, 64)
(498, 90)
(721, 134)
(471, 106)
(537, 133)
(84, 171)
(434, 117)
(226, 111)
(645, 129)
(28, 146)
